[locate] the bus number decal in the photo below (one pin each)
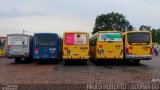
(118, 46)
(144, 47)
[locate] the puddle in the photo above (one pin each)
(156, 80)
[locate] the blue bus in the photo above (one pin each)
(47, 46)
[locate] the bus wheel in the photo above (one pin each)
(85, 62)
(39, 61)
(136, 61)
(55, 61)
(18, 60)
(28, 60)
(67, 62)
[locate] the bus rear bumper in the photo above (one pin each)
(108, 57)
(16, 56)
(135, 57)
(37, 57)
(75, 57)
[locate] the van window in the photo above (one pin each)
(17, 40)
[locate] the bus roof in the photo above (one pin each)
(2, 37)
(75, 32)
(136, 31)
(45, 33)
(106, 32)
(19, 34)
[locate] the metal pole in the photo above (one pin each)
(23, 31)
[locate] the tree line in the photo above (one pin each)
(1, 44)
(117, 22)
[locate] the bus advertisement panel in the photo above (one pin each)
(72, 39)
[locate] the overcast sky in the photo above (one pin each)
(59, 16)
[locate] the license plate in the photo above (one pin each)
(138, 58)
(16, 52)
(45, 56)
(75, 54)
(110, 52)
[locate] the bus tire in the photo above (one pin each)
(28, 60)
(18, 60)
(136, 61)
(55, 61)
(39, 61)
(67, 62)
(85, 62)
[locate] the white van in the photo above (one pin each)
(19, 46)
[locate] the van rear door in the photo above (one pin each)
(17, 44)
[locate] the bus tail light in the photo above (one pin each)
(130, 48)
(36, 49)
(65, 48)
(151, 51)
(127, 51)
(8, 46)
(100, 46)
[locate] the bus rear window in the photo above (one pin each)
(138, 38)
(74, 39)
(110, 37)
(17, 40)
(45, 40)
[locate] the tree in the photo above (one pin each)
(112, 21)
(1, 44)
(145, 28)
(158, 36)
(154, 32)
(155, 35)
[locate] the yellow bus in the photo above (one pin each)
(2, 46)
(2, 52)
(106, 45)
(138, 45)
(76, 45)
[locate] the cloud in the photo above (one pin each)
(56, 24)
(72, 15)
(18, 13)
